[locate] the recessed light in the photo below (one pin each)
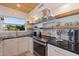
(18, 5)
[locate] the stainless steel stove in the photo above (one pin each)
(40, 47)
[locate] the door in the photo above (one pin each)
(30, 44)
(53, 51)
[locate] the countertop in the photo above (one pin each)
(66, 45)
(40, 39)
(73, 47)
(12, 37)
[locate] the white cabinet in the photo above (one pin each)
(55, 51)
(30, 44)
(11, 47)
(18, 46)
(23, 44)
(52, 51)
(1, 48)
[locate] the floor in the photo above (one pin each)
(27, 53)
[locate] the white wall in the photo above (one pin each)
(58, 9)
(64, 20)
(5, 11)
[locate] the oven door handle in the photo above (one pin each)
(44, 44)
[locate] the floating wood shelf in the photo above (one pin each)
(65, 27)
(69, 13)
(64, 14)
(61, 27)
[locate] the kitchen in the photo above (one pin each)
(51, 30)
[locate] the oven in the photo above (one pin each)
(40, 48)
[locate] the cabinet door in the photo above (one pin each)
(1, 48)
(30, 44)
(10, 47)
(23, 44)
(64, 52)
(52, 51)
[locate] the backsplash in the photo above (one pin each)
(60, 34)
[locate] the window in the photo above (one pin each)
(14, 24)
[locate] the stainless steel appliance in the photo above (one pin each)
(40, 47)
(73, 39)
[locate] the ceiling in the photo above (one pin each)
(24, 7)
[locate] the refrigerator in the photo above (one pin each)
(73, 39)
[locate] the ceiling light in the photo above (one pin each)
(18, 5)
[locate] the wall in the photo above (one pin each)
(64, 20)
(58, 10)
(68, 19)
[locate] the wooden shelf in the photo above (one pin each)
(61, 27)
(65, 14)
(65, 27)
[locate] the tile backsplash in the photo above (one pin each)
(54, 33)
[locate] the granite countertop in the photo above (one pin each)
(53, 41)
(44, 40)
(73, 47)
(12, 37)
(66, 45)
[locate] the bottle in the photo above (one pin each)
(40, 35)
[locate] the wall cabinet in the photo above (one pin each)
(55, 51)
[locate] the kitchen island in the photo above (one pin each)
(15, 46)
